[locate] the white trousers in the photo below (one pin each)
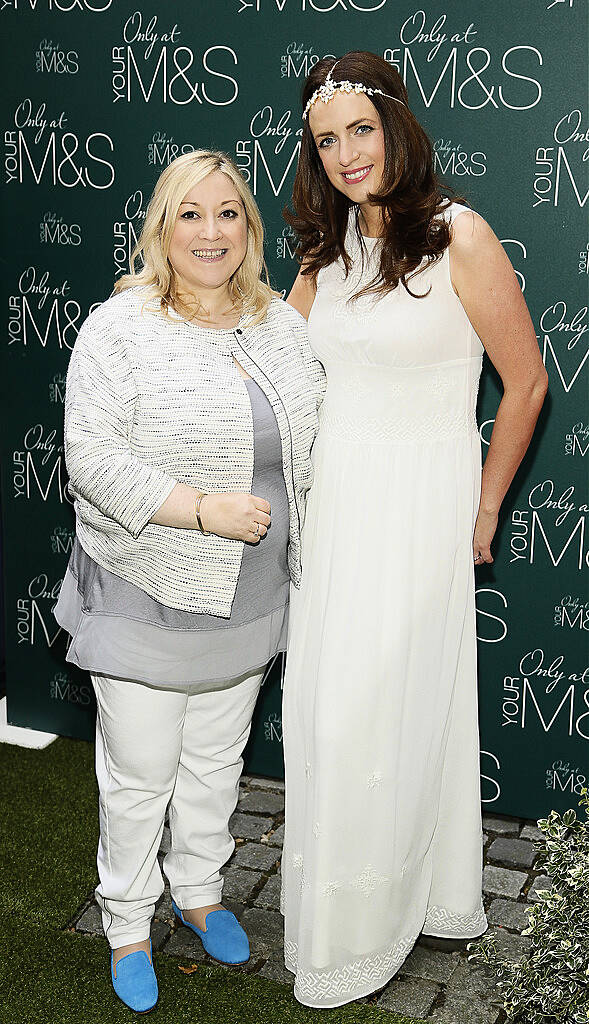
(156, 747)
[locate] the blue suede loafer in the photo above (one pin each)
(224, 938)
(135, 982)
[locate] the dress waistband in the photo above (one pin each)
(401, 404)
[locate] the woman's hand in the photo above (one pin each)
(484, 531)
(235, 515)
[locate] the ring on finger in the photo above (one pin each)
(476, 557)
(257, 530)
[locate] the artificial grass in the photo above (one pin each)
(50, 975)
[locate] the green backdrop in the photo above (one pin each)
(99, 96)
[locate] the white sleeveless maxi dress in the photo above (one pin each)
(383, 816)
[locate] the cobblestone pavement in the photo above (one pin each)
(432, 985)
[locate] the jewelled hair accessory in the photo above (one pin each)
(327, 91)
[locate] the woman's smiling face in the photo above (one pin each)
(209, 242)
(350, 141)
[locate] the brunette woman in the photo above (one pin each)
(403, 291)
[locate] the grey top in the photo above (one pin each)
(119, 630)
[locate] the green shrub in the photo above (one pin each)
(550, 984)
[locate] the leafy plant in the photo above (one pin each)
(550, 984)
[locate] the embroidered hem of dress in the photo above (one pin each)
(330, 988)
(362, 977)
(441, 924)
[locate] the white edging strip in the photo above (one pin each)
(20, 737)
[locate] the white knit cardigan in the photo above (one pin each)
(151, 401)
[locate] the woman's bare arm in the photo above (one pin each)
(487, 287)
(302, 294)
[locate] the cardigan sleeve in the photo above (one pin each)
(99, 406)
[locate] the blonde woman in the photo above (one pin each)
(191, 410)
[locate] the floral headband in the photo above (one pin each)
(327, 91)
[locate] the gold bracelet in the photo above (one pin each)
(197, 502)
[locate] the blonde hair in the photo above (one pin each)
(247, 289)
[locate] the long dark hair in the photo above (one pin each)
(410, 196)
